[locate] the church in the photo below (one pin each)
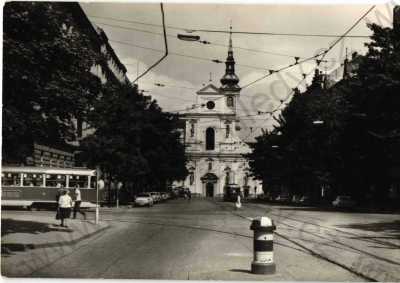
(213, 147)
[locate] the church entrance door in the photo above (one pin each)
(209, 190)
(209, 179)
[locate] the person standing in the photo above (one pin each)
(78, 201)
(238, 204)
(64, 204)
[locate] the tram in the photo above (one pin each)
(36, 187)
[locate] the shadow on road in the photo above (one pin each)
(391, 229)
(9, 226)
(241, 271)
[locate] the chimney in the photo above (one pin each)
(396, 18)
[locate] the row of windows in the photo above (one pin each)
(46, 180)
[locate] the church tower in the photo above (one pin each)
(229, 82)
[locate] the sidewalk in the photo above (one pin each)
(25, 230)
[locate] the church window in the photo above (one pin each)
(209, 165)
(192, 130)
(210, 105)
(210, 139)
(229, 101)
(228, 129)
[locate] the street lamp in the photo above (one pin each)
(318, 122)
(275, 146)
(193, 38)
(188, 37)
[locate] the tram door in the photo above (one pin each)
(209, 190)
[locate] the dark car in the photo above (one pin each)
(343, 202)
(283, 198)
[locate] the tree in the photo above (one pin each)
(299, 153)
(47, 81)
(374, 132)
(358, 145)
(134, 141)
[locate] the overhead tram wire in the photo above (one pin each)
(322, 54)
(191, 30)
(165, 44)
(271, 113)
(187, 56)
(349, 30)
(168, 85)
(210, 43)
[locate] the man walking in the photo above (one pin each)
(78, 200)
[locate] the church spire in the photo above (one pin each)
(230, 39)
(230, 80)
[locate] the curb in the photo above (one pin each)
(18, 246)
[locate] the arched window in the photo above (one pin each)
(229, 101)
(210, 139)
(228, 130)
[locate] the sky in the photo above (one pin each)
(135, 33)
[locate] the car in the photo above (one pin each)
(296, 199)
(304, 200)
(182, 192)
(282, 198)
(174, 193)
(156, 196)
(159, 195)
(144, 199)
(164, 195)
(343, 202)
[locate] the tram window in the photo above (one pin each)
(55, 180)
(33, 180)
(93, 182)
(10, 179)
(76, 180)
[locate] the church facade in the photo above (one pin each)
(213, 148)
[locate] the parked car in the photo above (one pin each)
(282, 198)
(144, 199)
(182, 192)
(296, 198)
(343, 202)
(174, 193)
(165, 196)
(305, 200)
(156, 196)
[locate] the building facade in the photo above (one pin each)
(214, 150)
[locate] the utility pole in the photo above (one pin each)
(99, 186)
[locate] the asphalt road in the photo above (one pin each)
(178, 239)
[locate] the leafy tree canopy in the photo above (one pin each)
(46, 75)
(134, 140)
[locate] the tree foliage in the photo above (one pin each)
(46, 75)
(357, 147)
(134, 141)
